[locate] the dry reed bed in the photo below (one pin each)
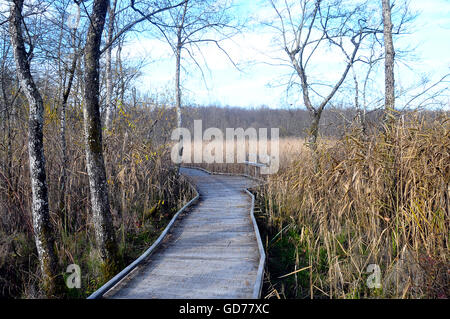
(144, 194)
(382, 201)
(290, 149)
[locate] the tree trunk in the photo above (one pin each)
(389, 102)
(62, 187)
(178, 98)
(109, 81)
(42, 227)
(93, 137)
(360, 114)
(64, 160)
(179, 47)
(120, 75)
(314, 130)
(6, 105)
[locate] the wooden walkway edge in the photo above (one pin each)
(210, 249)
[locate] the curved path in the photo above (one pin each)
(213, 249)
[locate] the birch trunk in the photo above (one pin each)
(109, 81)
(389, 101)
(178, 99)
(93, 138)
(178, 49)
(42, 227)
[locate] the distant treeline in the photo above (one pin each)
(291, 122)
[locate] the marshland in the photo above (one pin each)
(92, 92)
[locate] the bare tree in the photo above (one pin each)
(186, 27)
(102, 218)
(370, 61)
(109, 79)
(116, 35)
(307, 26)
(43, 229)
(93, 130)
(68, 54)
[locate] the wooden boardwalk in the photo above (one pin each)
(212, 250)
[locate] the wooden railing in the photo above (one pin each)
(253, 168)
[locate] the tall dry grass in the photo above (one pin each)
(290, 150)
(144, 194)
(383, 200)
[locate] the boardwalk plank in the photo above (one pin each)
(210, 252)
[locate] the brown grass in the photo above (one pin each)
(144, 194)
(290, 150)
(381, 201)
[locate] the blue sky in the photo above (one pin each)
(258, 83)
